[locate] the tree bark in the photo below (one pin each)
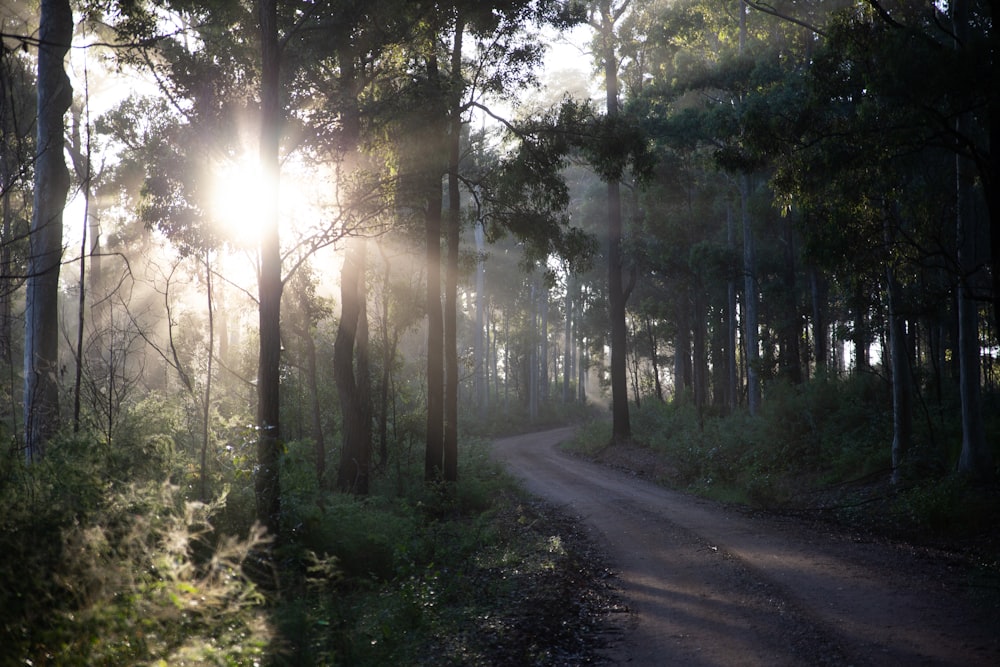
(976, 458)
(818, 290)
(751, 328)
(480, 342)
(267, 482)
(41, 338)
(699, 359)
(732, 327)
(902, 385)
(683, 379)
(790, 355)
(453, 237)
(621, 429)
(568, 339)
(354, 471)
(434, 453)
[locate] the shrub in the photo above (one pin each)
(132, 574)
(817, 433)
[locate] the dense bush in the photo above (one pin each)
(820, 445)
(97, 571)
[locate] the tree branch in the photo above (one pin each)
(765, 8)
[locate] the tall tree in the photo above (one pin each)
(41, 338)
(751, 289)
(604, 19)
(453, 238)
(352, 386)
(433, 216)
(976, 457)
(267, 482)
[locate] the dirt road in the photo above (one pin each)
(709, 585)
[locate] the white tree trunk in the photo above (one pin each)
(41, 329)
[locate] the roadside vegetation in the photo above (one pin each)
(819, 449)
(104, 565)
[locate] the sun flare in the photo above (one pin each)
(237, 208)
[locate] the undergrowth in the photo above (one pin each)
(821, 447)
(435, 575)
(98, 570)
(107, 563)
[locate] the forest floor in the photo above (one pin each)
(702, 583)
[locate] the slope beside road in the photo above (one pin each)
(709, 585)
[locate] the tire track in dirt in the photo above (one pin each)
(707, 585)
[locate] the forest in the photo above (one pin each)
(274, 273)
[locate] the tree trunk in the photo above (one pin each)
(267, 483)
(818, 290)
(480, 343)
(434, 453)
(453, 236)
(717, 353)
(699, 366)
(621, 429)
(976, 458)
(207, 398)
(14, 76)
(568, 340)
(902, 385)
(732, 382)
(790, 356)
(388, 357)
(683, 380)
(991, 179)
(81, 313)
(751, 329)
(654, 357)
(354, 471)
(533, 354)
(860, 333)
(543, 342)
(312, 377)
(634, 362)
(41, 338)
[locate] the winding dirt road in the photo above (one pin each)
(708, 585)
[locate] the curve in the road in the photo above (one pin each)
(711, 586)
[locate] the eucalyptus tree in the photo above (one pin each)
(269, 281)
(603, 18)
(976, 456)
(41, 339)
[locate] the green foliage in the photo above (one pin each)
(821, 446)
(949, 506)
(100, 572)
(590, 438)
(808, 437)
(396, 578)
